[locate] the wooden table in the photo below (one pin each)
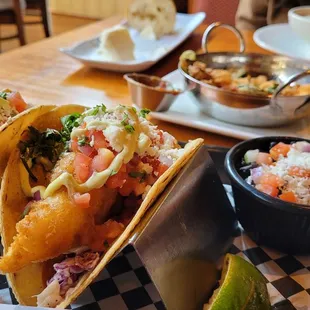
(45, 76)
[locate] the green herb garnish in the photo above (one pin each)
(129, 128)
(106, 243)
(69, 122)
(271, 89)
(41, 147)
(82, 141)
(4, 95)
(144, 112)
(96, 110)
(136, 174)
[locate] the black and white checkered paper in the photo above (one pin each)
(125, 284)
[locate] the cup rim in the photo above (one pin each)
(293, 13)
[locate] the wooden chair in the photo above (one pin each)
(14, 15)
(39, 8)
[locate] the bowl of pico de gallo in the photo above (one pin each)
(270, 178)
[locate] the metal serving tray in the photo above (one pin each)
(245, 109)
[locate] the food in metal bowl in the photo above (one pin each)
(283, 172)
(238, 80)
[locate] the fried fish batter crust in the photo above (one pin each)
(52, 227)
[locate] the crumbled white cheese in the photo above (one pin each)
(300, 186)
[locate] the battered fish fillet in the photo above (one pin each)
(52, 227)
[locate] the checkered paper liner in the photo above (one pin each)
(125, 284)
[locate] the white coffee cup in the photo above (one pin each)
(299, 20)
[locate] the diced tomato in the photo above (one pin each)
(150, 179)
(140, 188)
(288, 196)
(82, 201)
(103, 160)
(99, 140)
(268, 189)
(128, 187)
(299, 172)
(17, 101)
(161, 169)
(279, 149)
(263, 158)
(82, 164)
(123, 168)
(271, 179)
(117, 180)
(161, 135)
(87, 150)
(74, 145)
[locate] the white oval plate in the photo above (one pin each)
(147, 52)
(281, 39)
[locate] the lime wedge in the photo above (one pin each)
(242, 287)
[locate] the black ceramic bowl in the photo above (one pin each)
(269, 221)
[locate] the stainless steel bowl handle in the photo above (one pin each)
(206, 34)
(292, 79)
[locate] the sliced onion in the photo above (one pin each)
(302, 146)
(256, 174)
(37, 196)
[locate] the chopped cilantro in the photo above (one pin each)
(129, 128)
(69, 122)
(3, 95)
(82, 141)
(98, 108)
(106, 243)
(144, 112)
(95, 110)
(41, 147)
(137, 174)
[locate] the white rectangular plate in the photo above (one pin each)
(147, 52)
(185, 111)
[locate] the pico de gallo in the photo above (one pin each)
(106, 161)
(283, 172)
(11, 103)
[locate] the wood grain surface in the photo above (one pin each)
(44, 75)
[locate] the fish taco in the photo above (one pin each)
(75, 187)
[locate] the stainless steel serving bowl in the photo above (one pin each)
(245, 109)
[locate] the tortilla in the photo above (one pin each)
(29, 281)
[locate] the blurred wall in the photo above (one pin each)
(89, 8)
(217, 10)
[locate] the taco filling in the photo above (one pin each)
(84, 184)
(11, 103)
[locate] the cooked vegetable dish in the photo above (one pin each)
(237, 80)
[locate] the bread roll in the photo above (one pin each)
(152, 18)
